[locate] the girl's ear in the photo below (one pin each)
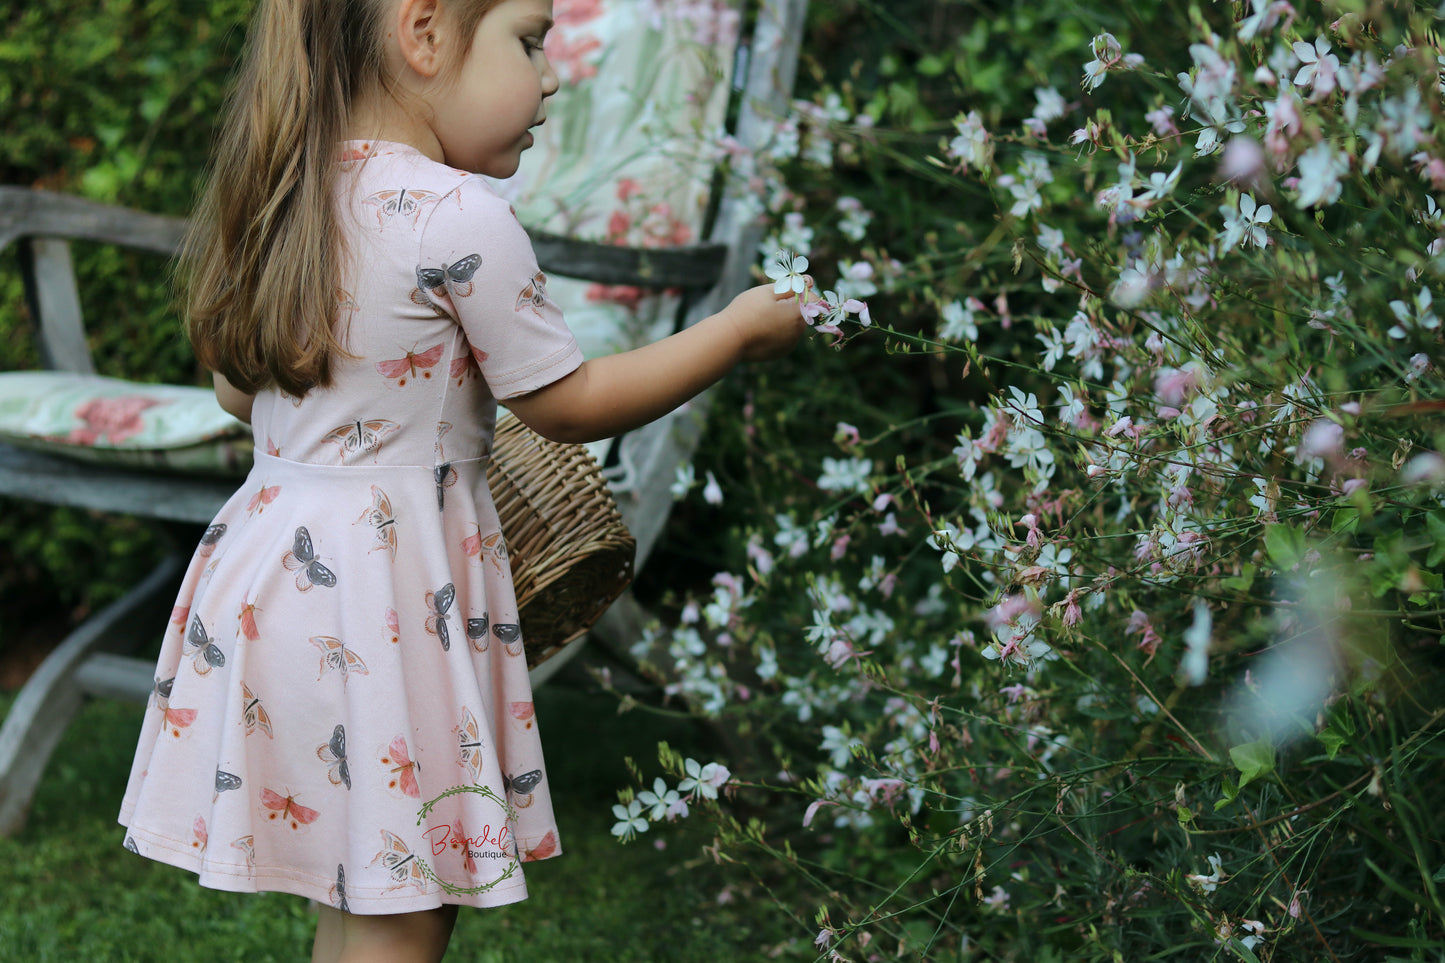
(418, 32)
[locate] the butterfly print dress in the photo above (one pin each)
(342, 698)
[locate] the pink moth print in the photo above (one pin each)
(285, 810)
(260, 499)
(401, 768)
(492, 547)
(346, 307)
(392, 632)
(411, 366)
(177, 722)
(199, 836)
(523, 712)
(546, 846)
(248, 628)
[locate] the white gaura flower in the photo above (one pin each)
(1244, 224)
(786, 272)
(1194, 667)
(972, 147)
(1161, 185)
(958, 323)
(1320, 66)
(629, 820)
(1419, 315)
(1320, 170)
(659, 799)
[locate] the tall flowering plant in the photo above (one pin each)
(1113, 602)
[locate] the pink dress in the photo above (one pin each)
(342, 708)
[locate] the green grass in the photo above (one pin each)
(69, 892)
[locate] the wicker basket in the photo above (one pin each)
(570, 553)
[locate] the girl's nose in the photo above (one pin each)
(550, 81)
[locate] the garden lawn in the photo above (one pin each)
(70, 892)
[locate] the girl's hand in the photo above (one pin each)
(768, 324)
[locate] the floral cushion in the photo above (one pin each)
(122, 422)
(625, 155)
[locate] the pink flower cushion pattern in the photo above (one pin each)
(119, 422)
(626, 154)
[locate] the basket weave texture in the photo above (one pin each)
(570, 553)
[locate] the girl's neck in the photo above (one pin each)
(380, 116)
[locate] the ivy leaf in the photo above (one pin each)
(1253, 760)
(1285, 545)
(1333, 740)
(1435, 525)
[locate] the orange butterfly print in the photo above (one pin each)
(492, 546)
(249, 630)
(404, 203)
(442, 428)
(402, 769)
(356, 437)
(247, 846)
(180, 615)
(209, 539)
(382, 519)
(546, 847)
(461, 846)
(253, 714)
(262, 498)
(336, 657)
(534, 294)
(199, 836)
(286, 810)
(399, 861)
(411, 366)
(469, 744)
(393, 627)
(272, 448)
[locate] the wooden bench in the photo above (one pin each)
(94, 659)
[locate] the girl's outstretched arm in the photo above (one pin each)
(233, 400)
(610, 395)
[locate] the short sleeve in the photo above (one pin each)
(477, 264)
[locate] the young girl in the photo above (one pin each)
(342, 708)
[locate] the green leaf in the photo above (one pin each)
(1245, 953)
(1242, 581)
(1332, 740)
(1253, 760)
(1435, 525)
(1230, 792)
(1285, 545)
(1345, 520)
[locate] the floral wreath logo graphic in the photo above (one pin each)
(508, 811)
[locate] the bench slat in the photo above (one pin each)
(51, 294)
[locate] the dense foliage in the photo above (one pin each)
(1088, 602)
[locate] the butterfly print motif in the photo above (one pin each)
(477, 632)
(456, 278)
(446, 477)
(440, 602)
(545, 848)
(403, 203)
(522, 712)
(272, 449)
(521, 786)
(411, 366)
(338, 892)
(286, 810)
(442, 428)
(346, 307)
(492, 546)
(180, 615)
(355, 437)
(253, 714)
(249, 631)
(510, 634)
(338, 658)
(302, 560)
(226, 781)
(399, 862)
(247, 846)
(534, 294)
(461, 846)
(212, 535)
(469, 744)
(333, 753)
(175, 720)
(393, 627)
(381, 518)
(262, 498)
(402, 769)
(130, 844)
(199, 834)
(463, 367)
(208, 655)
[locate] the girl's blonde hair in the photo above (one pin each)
(260, 264)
